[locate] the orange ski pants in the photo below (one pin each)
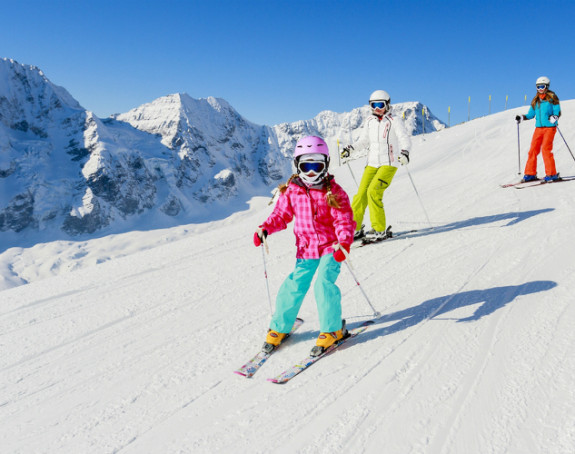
(542, 142)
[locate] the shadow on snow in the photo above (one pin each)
(513, 218)
(492, 299)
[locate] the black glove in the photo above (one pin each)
(403, 158)
(346, 151)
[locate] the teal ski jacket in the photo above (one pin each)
(542, 111)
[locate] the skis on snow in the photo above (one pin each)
(528, 184)
(388, 236)
(253, 365)
(520, 183)
(299, 367)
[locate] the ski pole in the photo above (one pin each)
(565, 142)
(417, 193)
(351, 171)
(348, 264)
(518, 152)
(267, 249)
(348, 166)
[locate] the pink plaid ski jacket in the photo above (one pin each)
(317, 225)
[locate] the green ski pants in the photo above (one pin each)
(370, 194)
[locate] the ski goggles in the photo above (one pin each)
(378, 104)
(311, 166)
(541, 87)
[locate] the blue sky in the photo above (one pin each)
(276, 61)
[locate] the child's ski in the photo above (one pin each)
(298, 368)
(253, 365)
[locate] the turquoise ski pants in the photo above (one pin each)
(293, 290)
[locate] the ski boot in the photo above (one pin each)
(374, 236)
(359, 234)
(527, 178)
(552, 178)
(326, 340)
(273, 340)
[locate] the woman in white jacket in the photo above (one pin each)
(388, 143)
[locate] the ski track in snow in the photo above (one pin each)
(473, 352)
(358, 413)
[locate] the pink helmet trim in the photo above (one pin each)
(311, 144)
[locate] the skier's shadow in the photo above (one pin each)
(513, 218)
(434, 309)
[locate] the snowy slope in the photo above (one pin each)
(133, 352)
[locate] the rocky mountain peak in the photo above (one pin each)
(174, 160)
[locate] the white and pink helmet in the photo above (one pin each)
(311, 159)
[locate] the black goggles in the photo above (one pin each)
(311, 166)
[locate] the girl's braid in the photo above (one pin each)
(330, 197)
(282, 187)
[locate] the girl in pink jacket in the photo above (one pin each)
(323, 218)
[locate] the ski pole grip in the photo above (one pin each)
(262, 236)
(337, 246)
(266, 244)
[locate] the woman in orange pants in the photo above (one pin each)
(546, 109)
(542, 142)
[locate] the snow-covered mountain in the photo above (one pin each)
(41, 142)
(346, 128)
(66, 172)
(216, 153)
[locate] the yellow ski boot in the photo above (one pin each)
(326, 340)
(273, 340)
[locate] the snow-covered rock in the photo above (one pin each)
(171, 161)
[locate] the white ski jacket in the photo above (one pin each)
(384, 138)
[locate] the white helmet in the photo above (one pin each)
(542, 81)
(380, 96)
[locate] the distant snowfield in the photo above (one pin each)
(127, 343)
